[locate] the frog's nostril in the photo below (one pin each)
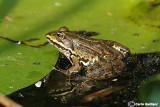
(47, 36)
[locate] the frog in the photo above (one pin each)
(98, 58)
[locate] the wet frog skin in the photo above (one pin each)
(99, 59)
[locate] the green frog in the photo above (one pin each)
(99, 59)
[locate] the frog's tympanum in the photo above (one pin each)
(100, 59)
(87, 64)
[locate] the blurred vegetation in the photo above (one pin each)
(149, 91)
(133, 23)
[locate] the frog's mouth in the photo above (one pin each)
(53, 41)
(57, 44)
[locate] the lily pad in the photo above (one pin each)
(149, 91)
(133, 23)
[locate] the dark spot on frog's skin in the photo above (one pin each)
(84, 60)
(136, 34)
(36, 63)
(91, 69)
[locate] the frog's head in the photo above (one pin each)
(61, 40)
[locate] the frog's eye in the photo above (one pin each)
(63, 29)
(67, 43)
(60, 35)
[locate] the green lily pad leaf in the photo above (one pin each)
(22, 65)
(133, 23)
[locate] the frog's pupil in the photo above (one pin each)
(59, 35)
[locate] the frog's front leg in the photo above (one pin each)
(74, 68)
(105, 69)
